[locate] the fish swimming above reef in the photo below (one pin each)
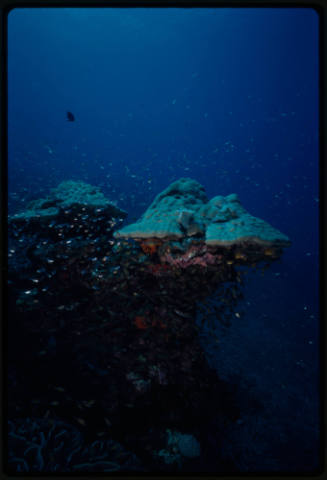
(70, 117)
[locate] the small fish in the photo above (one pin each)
(70, 117)
(181, 314)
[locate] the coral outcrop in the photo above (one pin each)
(170, 214)
(103, 330)
(187, 229)
(69, 196)
(182, 210)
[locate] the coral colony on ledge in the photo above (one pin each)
(106, 368)
(181, 219)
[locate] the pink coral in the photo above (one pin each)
(194, 256)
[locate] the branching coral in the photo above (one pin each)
(49, 445)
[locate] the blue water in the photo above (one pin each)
(228, 97)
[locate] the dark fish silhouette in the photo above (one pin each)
(70, 117)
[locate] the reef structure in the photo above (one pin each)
(117, 315)
(68, 221)
(182, 220)
(67, 198)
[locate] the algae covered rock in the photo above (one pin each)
(183, 210)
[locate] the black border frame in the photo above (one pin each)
(320, 6)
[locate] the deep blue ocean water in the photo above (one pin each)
(228, 97)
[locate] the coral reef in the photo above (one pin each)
(185, 230)
(111, 324)
(65, 199)
(183, 210)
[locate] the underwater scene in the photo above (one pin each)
(163, 241)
